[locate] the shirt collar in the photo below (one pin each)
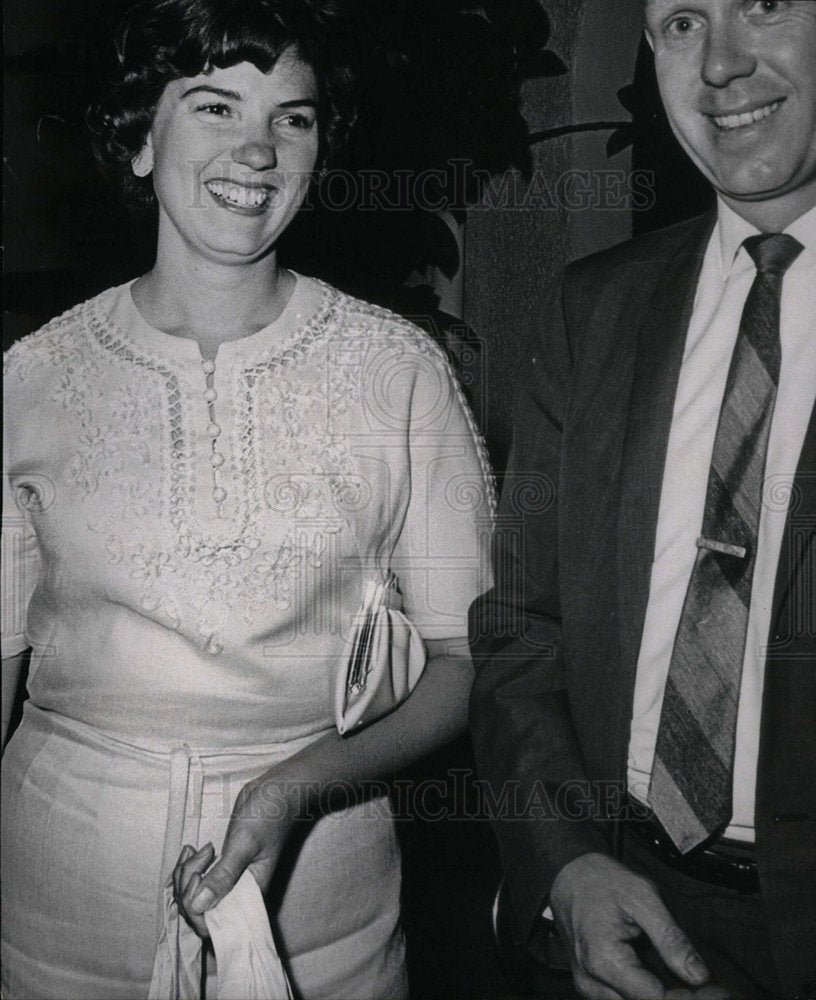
(733, 230)
(804, 229)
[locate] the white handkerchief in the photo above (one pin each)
(247, 963)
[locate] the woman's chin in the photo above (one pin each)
(229, 249)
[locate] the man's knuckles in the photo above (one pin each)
(602, 959)
(672, 944)
(642, 889)
(592, 989)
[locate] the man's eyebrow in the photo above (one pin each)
(300, 102)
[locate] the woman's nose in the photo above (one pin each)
(257, 153)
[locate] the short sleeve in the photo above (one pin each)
(441, 556)
(20, 558)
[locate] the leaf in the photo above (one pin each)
(620, 139)
(628, 97)
(539, 64)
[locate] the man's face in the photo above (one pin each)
(738, 80)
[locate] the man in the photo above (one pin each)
(646, 695)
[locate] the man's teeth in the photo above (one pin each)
(748, 118)
(237, 194)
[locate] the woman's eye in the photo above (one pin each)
(296, 121)
(219, 110)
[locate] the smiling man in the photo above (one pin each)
(647, 659)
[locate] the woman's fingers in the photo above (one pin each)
(240, 849)
(192, 916)
(187, 879)
(186, 853)
(190, 863)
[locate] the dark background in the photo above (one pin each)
(442, 82)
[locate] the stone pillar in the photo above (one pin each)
(521, 235)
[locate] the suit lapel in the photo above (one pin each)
(657, 366)
(800, 522)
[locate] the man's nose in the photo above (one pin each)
(256, 151)
(727, 56)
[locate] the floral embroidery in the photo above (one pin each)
(294, 484)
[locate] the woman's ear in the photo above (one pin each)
(142, 162)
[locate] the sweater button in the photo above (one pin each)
(210, 395)
(219, 494)
(216, 460)
(208, 366)
(214, 431)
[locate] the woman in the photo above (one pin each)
(209, 464)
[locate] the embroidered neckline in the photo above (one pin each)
(246, 352)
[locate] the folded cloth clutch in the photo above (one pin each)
(386, 660)
(247, 963)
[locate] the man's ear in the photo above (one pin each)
(142, 162)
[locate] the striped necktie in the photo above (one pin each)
(691, 781)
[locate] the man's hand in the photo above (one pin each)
(601, 907)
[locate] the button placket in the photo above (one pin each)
(219, 494)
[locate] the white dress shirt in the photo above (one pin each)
(727, 275)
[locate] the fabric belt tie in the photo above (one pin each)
(247, 962)
(183, 816)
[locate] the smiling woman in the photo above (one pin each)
(234, 455)
(177, 41)
(227, 146)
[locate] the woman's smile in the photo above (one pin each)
(250, 140)
(240, 198)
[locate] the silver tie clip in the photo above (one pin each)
(723, 547)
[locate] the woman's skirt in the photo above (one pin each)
(92, 827)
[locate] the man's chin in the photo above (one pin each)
(760, 179)
(771, 210)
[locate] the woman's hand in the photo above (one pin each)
(262, 819)
(267, 808)
(187, 879)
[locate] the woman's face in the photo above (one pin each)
(232, 152)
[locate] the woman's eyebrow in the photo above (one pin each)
(298, 102)
(219, 91)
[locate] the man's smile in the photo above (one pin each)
(728, 122)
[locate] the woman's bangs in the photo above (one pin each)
(245, 40)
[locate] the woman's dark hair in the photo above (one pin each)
(163, 40)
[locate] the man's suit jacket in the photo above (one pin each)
(556, 641)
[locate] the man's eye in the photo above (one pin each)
(681, 26)
(770, 10)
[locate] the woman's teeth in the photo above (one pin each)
(237, 194)
(748, 118)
